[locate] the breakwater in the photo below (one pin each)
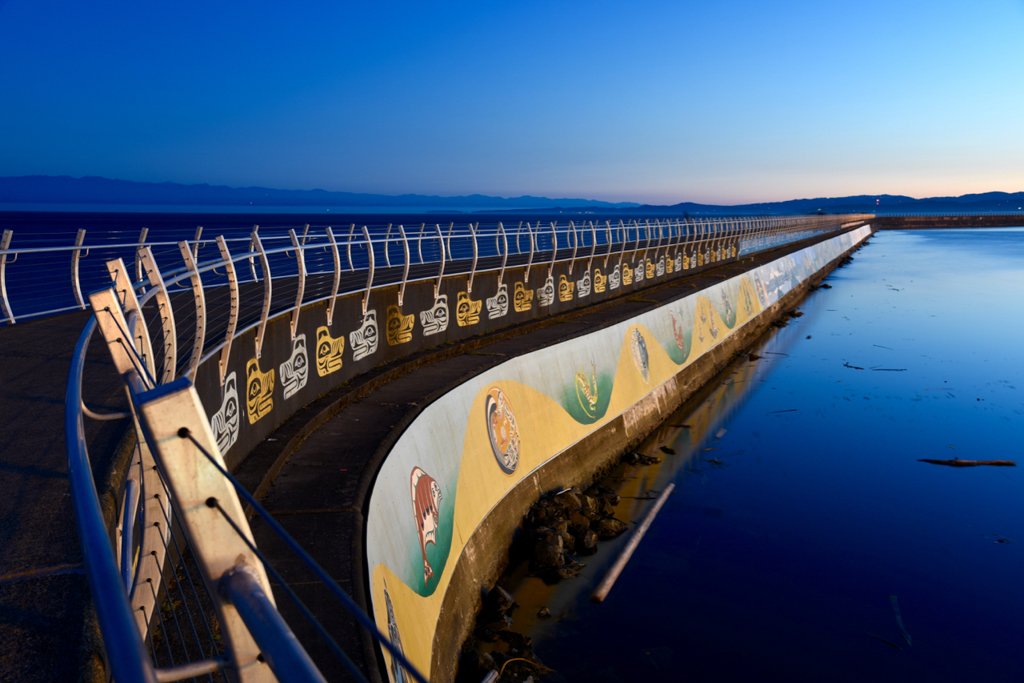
(457, 481)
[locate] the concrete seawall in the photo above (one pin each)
(456, 482)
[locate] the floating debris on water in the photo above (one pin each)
(889, 369)
(957, 462)
(846, 364)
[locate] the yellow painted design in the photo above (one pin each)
(686, 261)
(399, 327)
(700, 258)
(600, 281)
(467, 310)
(565, 288)
(329, 351)
(522, 298)
(670, 266)
(650, 269)
(259, 391)
(627, 274)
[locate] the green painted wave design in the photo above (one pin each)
(584, 408)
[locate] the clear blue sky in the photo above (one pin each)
(647, 101)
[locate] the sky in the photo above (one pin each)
(662, 102)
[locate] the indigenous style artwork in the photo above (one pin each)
(295, 370)
(546, 294)
(706, 327)
(679, 262)
(399, 326)
(638, 347)
(467, 310)
(600, 281)
(497, 305)
(670, 264)
(659, 269)
(565, 288)
(522, 298)
(627, 275)
(224, 422)
(259, 398)
(434, 320)
(329, 352)
(615, 279)
(397, 672)
(364, 339)
(502, 430)
(724, 301)
(583, 285)
(558, 396)
(638, 272)
(426, 505)
(650, 269)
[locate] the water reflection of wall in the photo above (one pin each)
(473, 446)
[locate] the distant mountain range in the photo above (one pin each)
(94, 190)
(64, 190)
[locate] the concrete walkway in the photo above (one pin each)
(43, 588)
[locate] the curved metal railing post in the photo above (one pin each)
(622, 249)
(229, 333)
(472, 269)
(300, 289)
(529, 262)
(76, 257)
(196, 244)
(419, 242)
(519, 249)
(166, 313)
(268, 289)
(5, 244)
(405, 272)
(608, 238)
(440, 269)
(554, 249)
(252, 250)
(138, 253)
(125, 292)
(575, 245)
(593, 245)
(199, 297)
(348, 247)
(504, 252)
(369, 274)
(336, 257)
(387, 244)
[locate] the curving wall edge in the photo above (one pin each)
(458, 480)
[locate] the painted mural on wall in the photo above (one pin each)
(472, 446)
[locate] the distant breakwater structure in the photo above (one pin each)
(222, 341)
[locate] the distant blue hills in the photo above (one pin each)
(95, 190)
(63, 190)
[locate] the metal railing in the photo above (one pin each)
(182, 537)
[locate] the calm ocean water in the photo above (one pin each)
(804, 540)
(42, 281)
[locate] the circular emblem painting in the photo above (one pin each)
(640, 357)
(502, 430)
